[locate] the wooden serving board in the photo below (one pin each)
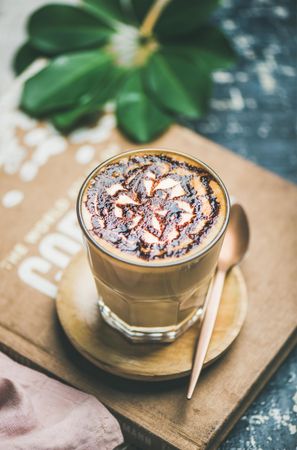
(44, 238)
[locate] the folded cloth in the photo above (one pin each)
(39, 413)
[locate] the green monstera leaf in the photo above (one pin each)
(137, 113)
(25, 55)
(71, 29)
(176, 84)
(104, 91)
(69, 80)
(154, 59)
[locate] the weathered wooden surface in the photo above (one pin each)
(261, 128)
(253, 107)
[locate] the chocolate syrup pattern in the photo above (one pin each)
(152, 206)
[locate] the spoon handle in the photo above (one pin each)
(207, 329)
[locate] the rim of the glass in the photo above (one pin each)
(162, 263)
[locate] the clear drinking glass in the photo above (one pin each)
(151, 301)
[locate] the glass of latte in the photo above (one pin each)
(153, 223)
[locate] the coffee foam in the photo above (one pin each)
(153, 206)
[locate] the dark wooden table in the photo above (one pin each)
(253, 113)
(253, 110)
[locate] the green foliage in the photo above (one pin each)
(155, 68)
(104, 91)
(24, 56)
(183, 17)
(110, 11)
(176, 83)
(68, 81)
(55, 29)
(138, 115)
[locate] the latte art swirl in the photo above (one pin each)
(153, 206)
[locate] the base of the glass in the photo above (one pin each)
(147, 334)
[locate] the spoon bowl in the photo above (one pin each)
(236, 240)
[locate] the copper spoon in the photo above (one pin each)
(233, 250)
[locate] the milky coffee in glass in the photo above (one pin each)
(153, 222)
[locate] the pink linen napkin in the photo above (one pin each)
(39, 413)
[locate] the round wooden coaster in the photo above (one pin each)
(105, 347)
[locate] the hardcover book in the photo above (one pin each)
(41, 172)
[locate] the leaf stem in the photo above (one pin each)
(152, 17)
